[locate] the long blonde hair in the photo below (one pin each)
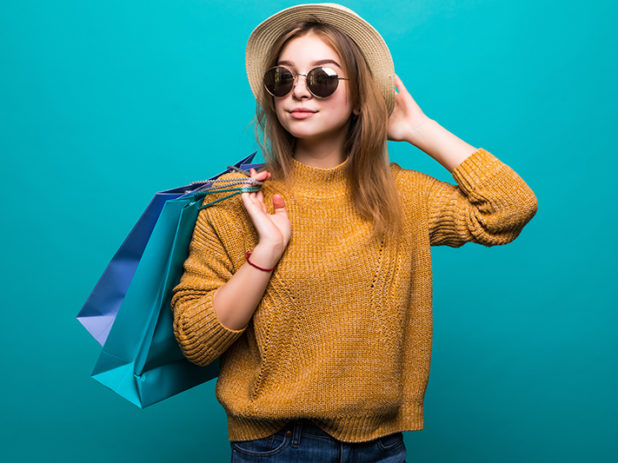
(372, 186)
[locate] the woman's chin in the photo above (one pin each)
(303, 133)
(310, 135)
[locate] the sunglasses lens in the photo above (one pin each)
(278, 81)
(322, 82)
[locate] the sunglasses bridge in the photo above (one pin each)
(295, 81)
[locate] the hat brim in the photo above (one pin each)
(369, 41)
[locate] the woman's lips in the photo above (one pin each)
(301, 113)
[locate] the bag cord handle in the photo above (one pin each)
(248, 185)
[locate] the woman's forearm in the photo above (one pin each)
(446, 148)
(236, 301)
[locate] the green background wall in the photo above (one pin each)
(104, 103)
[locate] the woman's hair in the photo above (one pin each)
(372, 186)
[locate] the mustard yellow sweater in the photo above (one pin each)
(343, 333)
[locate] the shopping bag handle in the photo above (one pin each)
(248, 185)
(243, 189)
(234, 169)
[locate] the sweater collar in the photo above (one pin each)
(317, 182)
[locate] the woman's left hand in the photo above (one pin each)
(407, 117)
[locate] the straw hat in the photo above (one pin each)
(369, 41)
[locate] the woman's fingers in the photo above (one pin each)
(274, 227)
(255, 200)
(280, 218)
(279, 204)
(255, 206)
(261, 176)
(399, 84)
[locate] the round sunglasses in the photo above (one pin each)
(321, 81)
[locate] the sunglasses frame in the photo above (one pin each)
(306, 81)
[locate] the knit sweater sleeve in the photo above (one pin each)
(199, 333)
(490, 204)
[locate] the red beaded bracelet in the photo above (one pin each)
(265, 269)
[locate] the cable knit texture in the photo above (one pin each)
(342, 335)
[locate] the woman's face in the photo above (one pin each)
(299, 112)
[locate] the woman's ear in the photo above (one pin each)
(356, 111)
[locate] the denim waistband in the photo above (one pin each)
(298, 427)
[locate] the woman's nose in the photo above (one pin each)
(300, 89)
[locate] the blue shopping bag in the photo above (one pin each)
(99, 312)
(140, 359)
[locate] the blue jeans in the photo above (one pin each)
(302, 441)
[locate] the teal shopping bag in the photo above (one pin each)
(141, 360)
(99, 312)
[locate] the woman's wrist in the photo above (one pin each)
(418, 133)
(446, 148)
(265, 256)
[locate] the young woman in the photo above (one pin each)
(319, 307)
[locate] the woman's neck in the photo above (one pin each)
(324, 153)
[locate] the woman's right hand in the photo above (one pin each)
(274, 230)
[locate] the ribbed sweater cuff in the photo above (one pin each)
(475, 169)
(206, 337)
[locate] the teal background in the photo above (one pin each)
(104, 103)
